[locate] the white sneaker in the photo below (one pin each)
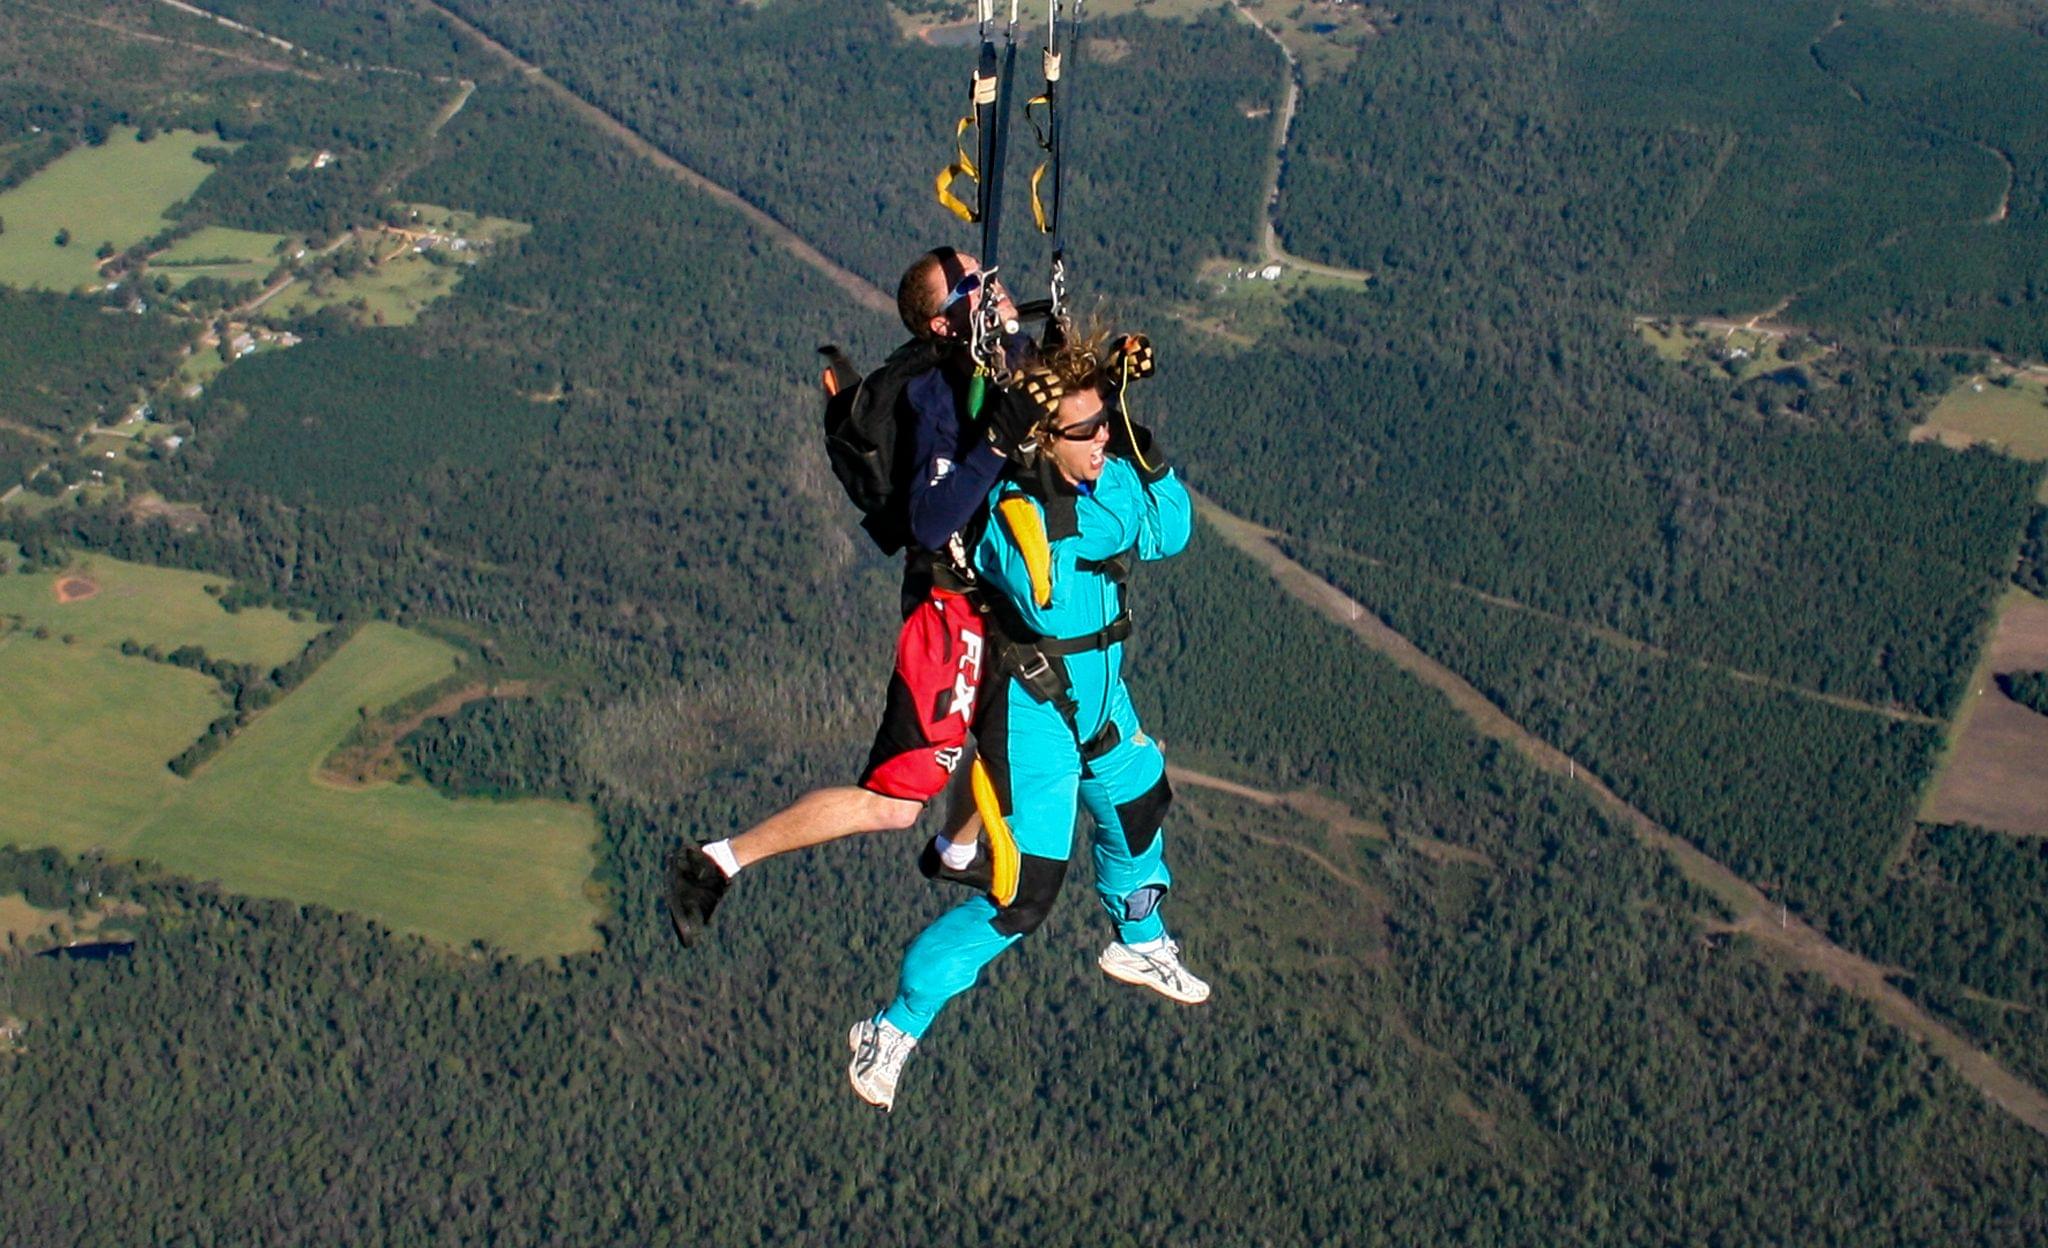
(879, 1051)
(1160, 971)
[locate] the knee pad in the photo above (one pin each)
(1038, 883)
(1139, 905)
(1142, 816)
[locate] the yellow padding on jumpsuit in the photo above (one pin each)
(1002, 846)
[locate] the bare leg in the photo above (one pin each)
(823, 815)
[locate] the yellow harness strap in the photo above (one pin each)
(1027, 529)
(962, 167)
(1003, 858)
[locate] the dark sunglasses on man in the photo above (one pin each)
(967, 285)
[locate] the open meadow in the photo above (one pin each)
(104, 601)
(230, 255)
(1995, 774)
(89, 731)
(261, 821)
(114, 193)
(2008, 414)
(393, 291)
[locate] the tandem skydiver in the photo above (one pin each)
(1056, 721)
(956, 459)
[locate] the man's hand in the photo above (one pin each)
(1009, 415)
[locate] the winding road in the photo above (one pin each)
(1283, 125)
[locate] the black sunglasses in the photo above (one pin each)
(1082, 431)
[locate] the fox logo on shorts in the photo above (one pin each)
(949, 758)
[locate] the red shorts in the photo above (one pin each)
(931, 700)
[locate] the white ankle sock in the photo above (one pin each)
(720, 852)
(1149, 947)
(956, 855)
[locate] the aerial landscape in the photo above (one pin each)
(1604, 693)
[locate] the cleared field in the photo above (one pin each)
(19, 920)
(256, 818)
(231, 255)
(1741, 354)
(2011, 417)
(115, 193)
(472, 226)
(392, 293)
(163, 606)
(1996, 772)
(88, 732)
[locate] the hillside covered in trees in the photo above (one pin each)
(1474, 1008)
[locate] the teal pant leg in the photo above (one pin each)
(1032, 760)
(1127, 795)
(943, 962)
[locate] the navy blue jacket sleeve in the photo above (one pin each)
(953, 466)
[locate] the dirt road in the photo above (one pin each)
(862, 291)
(1756, 915)
(1283, 124)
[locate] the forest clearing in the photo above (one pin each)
(150, 606)
(2007, 412)
(95, 728)
(1996, 773)
(114, 193)
(230, 255)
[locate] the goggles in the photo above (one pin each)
(1082, 430)
(966, 286)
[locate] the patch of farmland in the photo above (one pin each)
(87, 732)
(2007, 413)
(1996, 775)
(257, 819)
(114, 193)
(230, 255)
(165, 607)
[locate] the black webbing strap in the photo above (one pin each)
(1115, 568)
(1118, 629)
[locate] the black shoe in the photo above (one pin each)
(978, 875)
(694, 886)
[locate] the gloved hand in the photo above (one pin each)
(1009, 414)
(1130, 358)
(1137, 444)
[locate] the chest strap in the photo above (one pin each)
(1118, 629)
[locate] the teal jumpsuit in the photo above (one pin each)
(1032, 763)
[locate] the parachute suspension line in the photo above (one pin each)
(994, 124)
(1058, 62)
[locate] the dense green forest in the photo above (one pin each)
(64, 364)
(361, 418)
(1852, 159)
(1449, 1091)
(1485, 1014)
(2029, 689)
(1164, 164)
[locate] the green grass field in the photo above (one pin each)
(163, 606)
(258, 819)
(472, 226)
(115, 193)
(393, 293)
(2011, 418)
(231, 255)
(89, 732)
